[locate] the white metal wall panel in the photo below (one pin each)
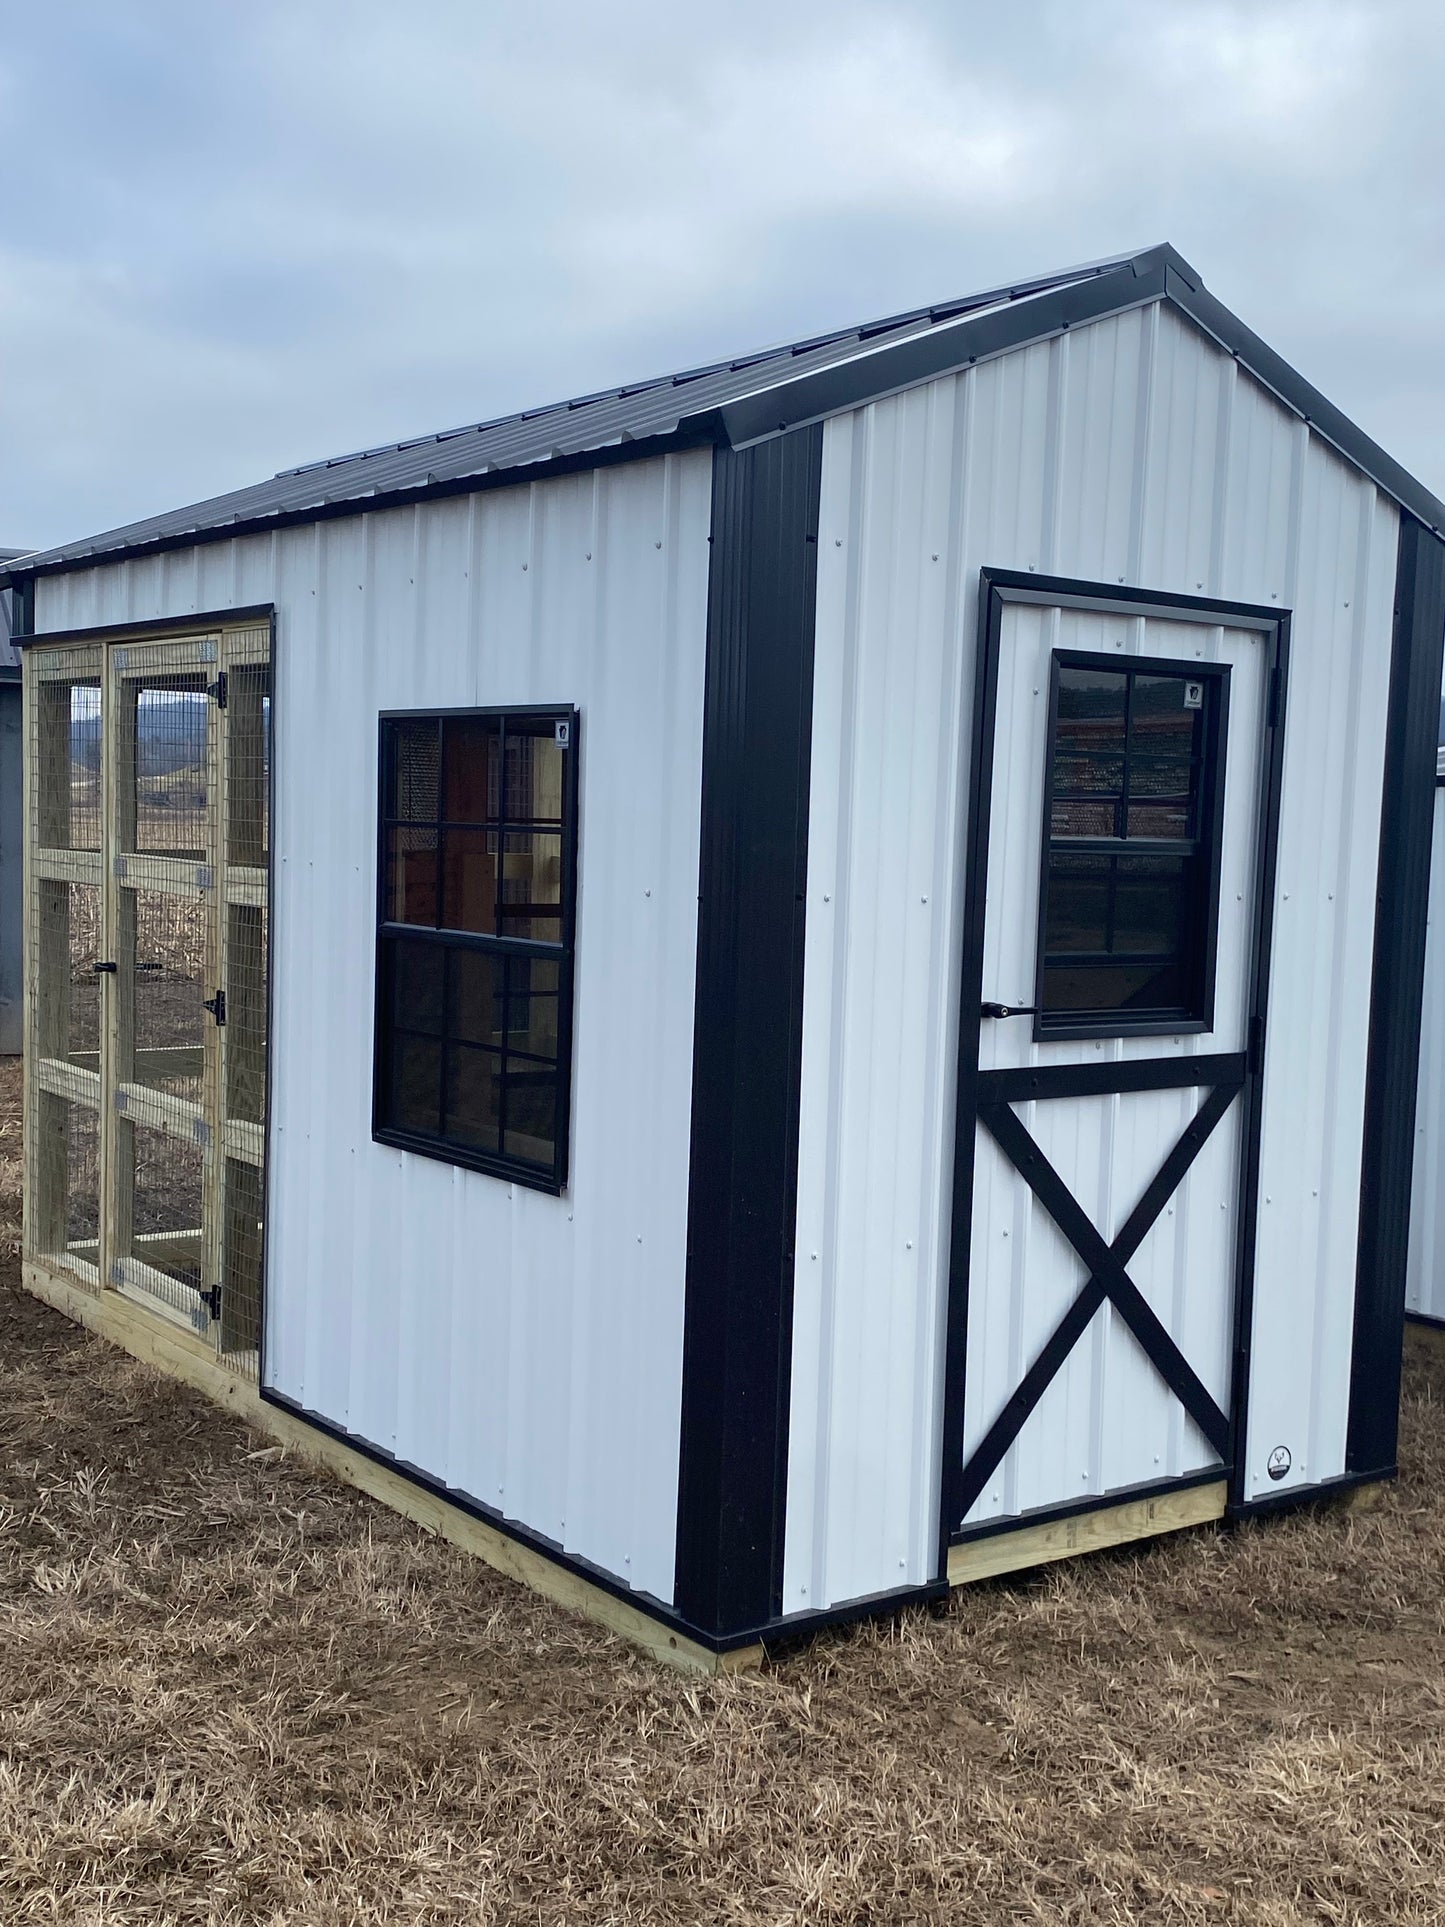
(1425, 1277)
(1132, 450)
(523, 1349)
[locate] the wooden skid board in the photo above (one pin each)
(172, 1350)
(1116, 1525)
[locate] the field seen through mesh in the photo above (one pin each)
(233, 1690)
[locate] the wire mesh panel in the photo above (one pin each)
(241, 1261)
(248, 764)
(166, 1239)
(245, 1042)
(245, 764)
(63, 940)
(66, 733)
(169, 938)
(82, 1186)
(163, 729)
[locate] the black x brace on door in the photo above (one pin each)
(1109, 1278)
(987, 1098)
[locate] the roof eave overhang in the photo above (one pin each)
(1161, 274)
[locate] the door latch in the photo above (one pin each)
(103, 969)
(1009, 1010)
(216, 1005)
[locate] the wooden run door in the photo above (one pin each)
(1116, 959)
(148, 829)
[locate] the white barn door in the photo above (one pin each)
(1115, 958)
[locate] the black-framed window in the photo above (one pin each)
(1133, 814)
(477, 886)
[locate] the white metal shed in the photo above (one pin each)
(847, 952)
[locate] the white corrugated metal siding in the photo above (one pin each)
(1425, 1276)
(1133, 451)
(523, 1349)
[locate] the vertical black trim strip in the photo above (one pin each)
(22, 607)
(1401, 902)
(747, 1052)
(1252, 1128)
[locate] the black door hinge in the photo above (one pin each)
(103, 969)
(217, 690)
(1256, 1044)
(211, 1300)
(1274, 681)
(216, 1005)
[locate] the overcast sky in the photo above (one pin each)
(234, 237)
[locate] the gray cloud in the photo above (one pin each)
(237, 238)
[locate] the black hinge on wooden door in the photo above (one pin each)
(217, 690)
(216, 1005)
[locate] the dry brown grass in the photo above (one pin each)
(235, 1691)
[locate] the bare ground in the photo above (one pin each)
(233, 1690)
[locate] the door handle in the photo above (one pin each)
(1009, 1010)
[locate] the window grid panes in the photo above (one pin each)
(478, 842)
(1129, 862)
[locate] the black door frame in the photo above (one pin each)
(999, 589)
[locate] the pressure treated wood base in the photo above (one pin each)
(1115, 1525)
(190, 1359)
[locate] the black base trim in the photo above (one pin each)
(1299, 1496)
(1425, 1321)
(1047, 1515)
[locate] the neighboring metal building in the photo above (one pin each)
(847, 964)
(1425, 1286)
(12, 897)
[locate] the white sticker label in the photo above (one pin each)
(1194, 695)
(1279, 1462)
(562, 732)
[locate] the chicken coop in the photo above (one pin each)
(769, 990)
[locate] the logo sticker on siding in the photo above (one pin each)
(1194, 695)
(1278, 1462)
(562, 731)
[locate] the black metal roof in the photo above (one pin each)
(738, 401)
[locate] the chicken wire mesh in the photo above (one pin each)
(170, 1022)
(167, 1214)
(163, 744)
(66, 751)
(65, 945)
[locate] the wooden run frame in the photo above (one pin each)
(110, 1078)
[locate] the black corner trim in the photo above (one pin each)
(1401, 901)
(22, 607)
(747, 1051)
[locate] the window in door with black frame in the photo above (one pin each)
(1133, 814)
(477, 887)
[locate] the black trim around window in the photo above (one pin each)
(459, 994)
(1195, 851)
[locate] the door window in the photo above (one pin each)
(1134, 792)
